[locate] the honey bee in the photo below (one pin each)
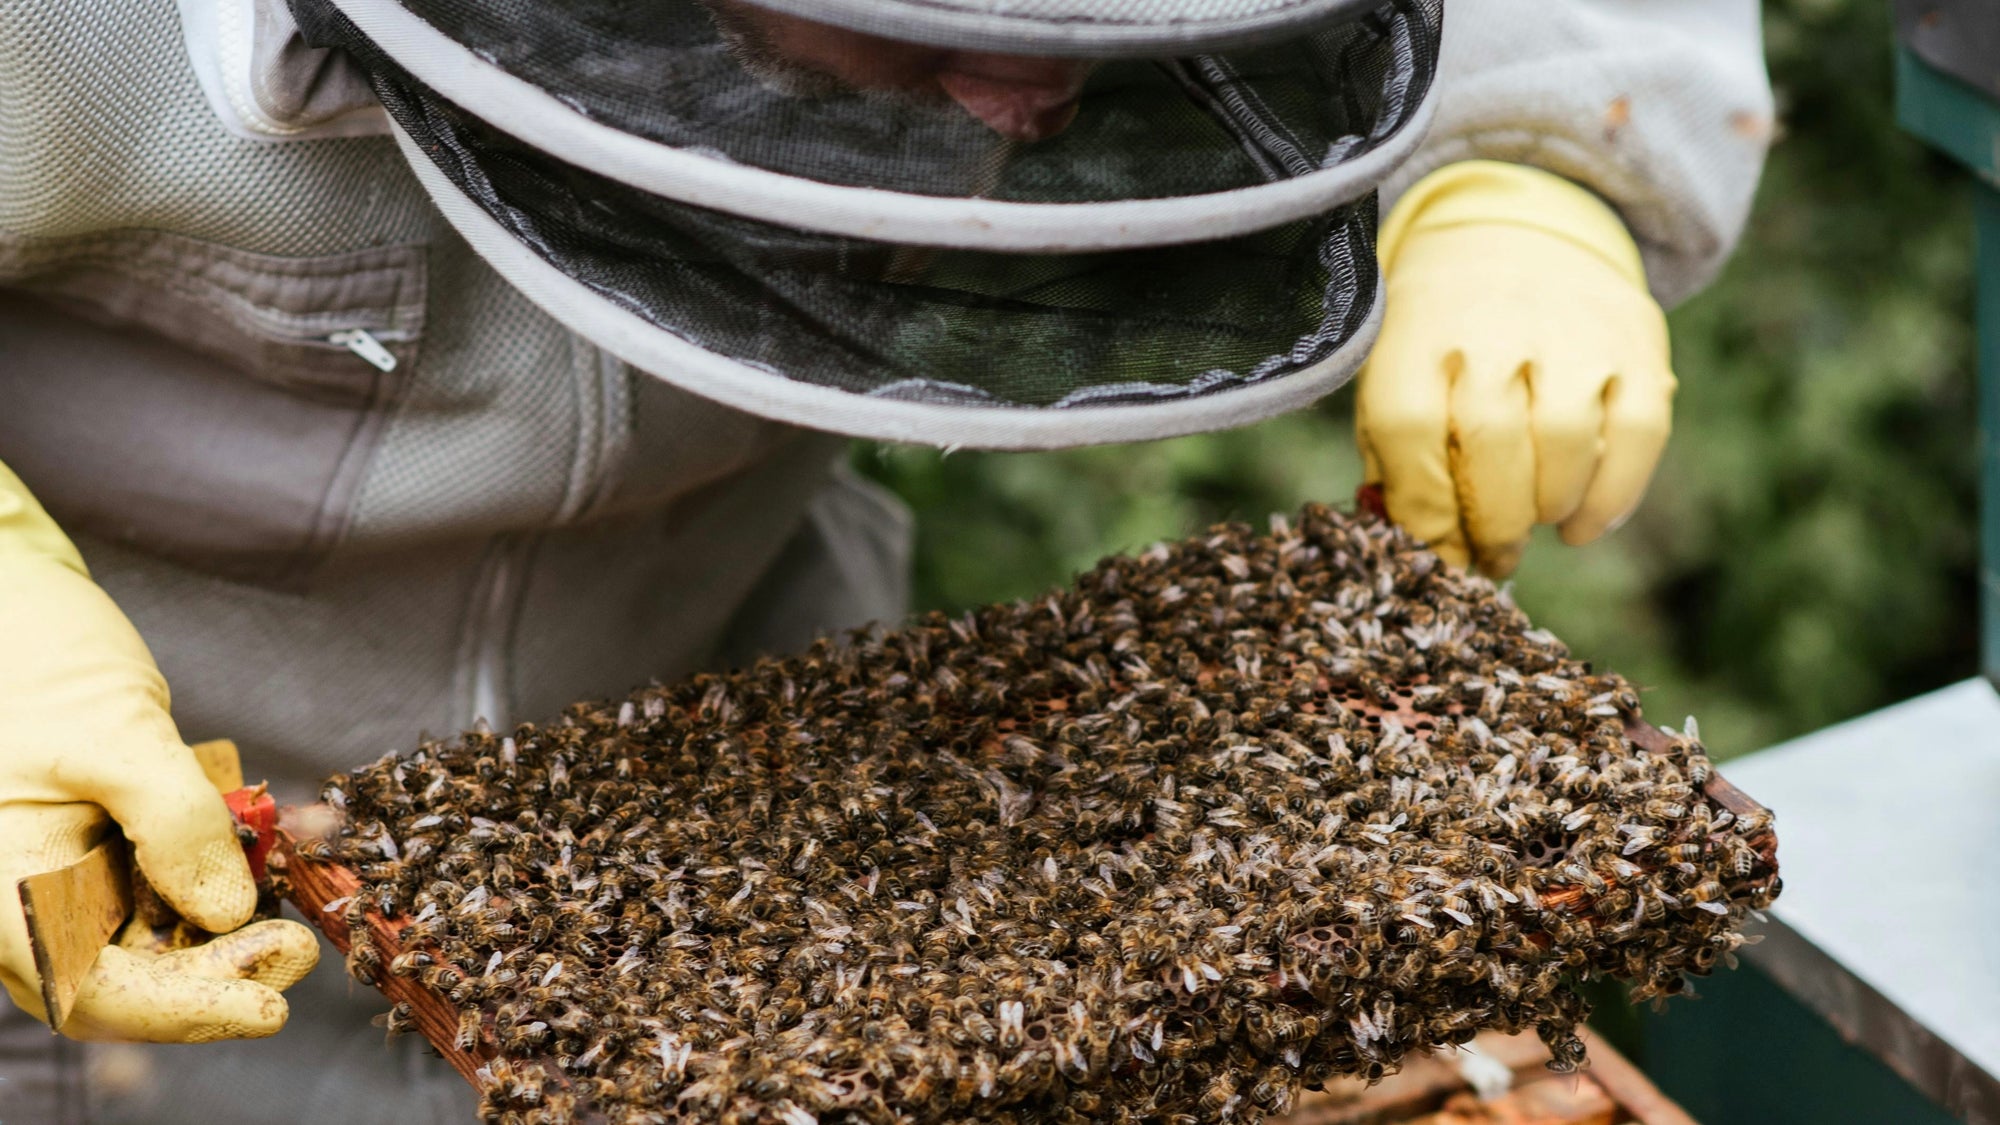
(1567, 1052)
(468, 1030)
(1586, 877)
(364, 961)
(1216, 1095)
(1689, 853)
(920, 1087)
(526, 1088)
(398, 1020)
(410, 963)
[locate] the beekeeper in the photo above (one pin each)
(372, 367)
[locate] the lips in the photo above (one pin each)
(1022, 99)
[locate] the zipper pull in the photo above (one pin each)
(363, 343)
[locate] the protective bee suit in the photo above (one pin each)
(393, 366)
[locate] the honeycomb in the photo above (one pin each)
(1216, 823)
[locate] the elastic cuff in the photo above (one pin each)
(25, 528)
(1490, 191)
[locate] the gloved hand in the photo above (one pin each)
(85, 740)
(1522, 375)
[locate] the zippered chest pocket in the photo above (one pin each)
(204, 404)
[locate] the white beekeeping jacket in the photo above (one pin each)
(1662, 107)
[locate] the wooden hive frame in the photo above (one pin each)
(1434, 1090)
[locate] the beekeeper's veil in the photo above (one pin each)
(805, 209)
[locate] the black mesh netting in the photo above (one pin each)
(914, 323)
(666, 71)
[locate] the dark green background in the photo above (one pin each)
(1807, 553)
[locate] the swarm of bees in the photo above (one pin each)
(1216, 823)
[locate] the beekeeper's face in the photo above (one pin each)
(1020, 97)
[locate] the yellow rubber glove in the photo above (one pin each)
(1522, 375)
(85, 740)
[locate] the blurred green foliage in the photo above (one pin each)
(1807, 551)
